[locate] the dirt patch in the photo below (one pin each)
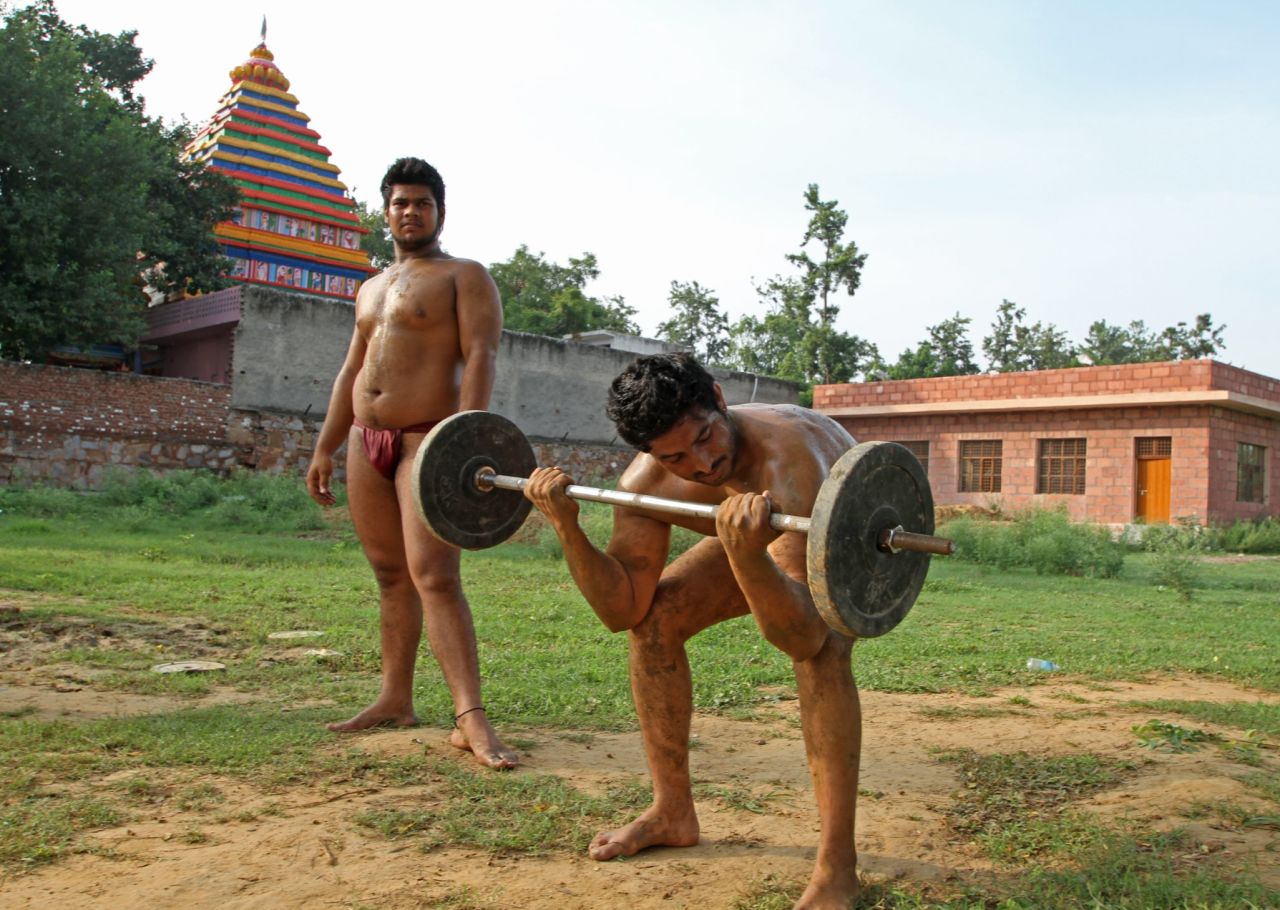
(27, 639)
(299, 847)
(38, 679)
(1236, 558)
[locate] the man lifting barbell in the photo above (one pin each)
(718, 471)
(748, 459)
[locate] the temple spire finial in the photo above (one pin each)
(264, 29)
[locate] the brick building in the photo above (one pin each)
(1186, 440)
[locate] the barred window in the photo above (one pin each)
(980, 464)
(1062, 464)
(1251, 472)
(920, 449)
(1154, 447)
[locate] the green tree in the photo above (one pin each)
(545, 298)
(1111, 344)
(377, 243)
(93, 199)
(796, 338)
(841, 263)
(947, 352)
(1014, 346)
(1183, 342)
(696, 321)
(1106, 344)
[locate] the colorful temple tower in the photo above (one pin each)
(296, 225)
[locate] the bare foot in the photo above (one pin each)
(474, 734)
(375, 716)
(651, 829)
(835, 890)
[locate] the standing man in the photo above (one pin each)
(424, 345)
(751, 460)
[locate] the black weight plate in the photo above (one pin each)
(444, 471)
(858, 588)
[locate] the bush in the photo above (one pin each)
(1042, 539)
(1176, 569)
(1252, 536)
(41, 502)
(1177, 549)
(1186, 536)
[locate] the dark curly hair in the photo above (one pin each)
(413, 172)
(650, 396)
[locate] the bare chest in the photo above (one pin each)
(418, 299)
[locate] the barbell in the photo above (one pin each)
(869, 538)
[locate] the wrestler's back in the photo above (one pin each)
(412, 369)
(797, 448)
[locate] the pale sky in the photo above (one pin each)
(1088, 160)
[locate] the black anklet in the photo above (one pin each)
(458, 717)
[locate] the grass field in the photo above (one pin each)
(101, 589)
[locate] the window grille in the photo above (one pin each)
(920, 449)
(1062, 466)
(1251, 472)
(1155, 447)
(980, 465)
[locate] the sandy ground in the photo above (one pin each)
(311, 854)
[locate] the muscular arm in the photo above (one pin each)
(337, 421)
(772, 575)
(479, 331)
(618, 582)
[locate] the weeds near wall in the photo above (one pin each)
(1041, 539)
(246, 501)
(1252, 537)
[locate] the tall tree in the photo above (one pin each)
(696, 321)
(1014, 346)
(545, 298)
(841, 263)
(93, 199)
(796, 338)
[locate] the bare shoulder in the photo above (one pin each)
(371, 285)
(371, 289)
(794, 424)
(646, 475)
(643, 475)
(462, 268)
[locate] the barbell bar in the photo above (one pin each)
(869, 538)
(891, 540)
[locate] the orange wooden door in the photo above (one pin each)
(1154, 476)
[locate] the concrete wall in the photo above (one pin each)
(65, 426)
(556, 389)
(288, 350)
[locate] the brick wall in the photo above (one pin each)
(1204, 435)
(1131, 378)
(1110, 462)
(68, 427)
(1227, 430)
